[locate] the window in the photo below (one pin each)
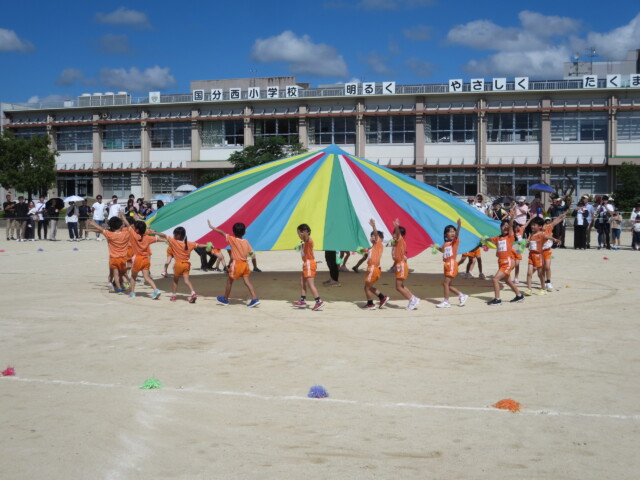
(338, 130)
(390, 129)
(72, 139)
(450, 128)
(512, 182)
(221, 133)
(166, 183)
(513, 127)
(29, 133)
(457, 181)
(74, 184)
(170, 135)
(286, 128)
(116, 183)
(121, 137)
(628, 126)
(578, 127)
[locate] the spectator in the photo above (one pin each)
(635, 231)
(522, 211)
(130, 210)
(84, 211)
(9, 208)
(51, 216)
(22, 215)
(580, 224)
(42, 223)
(497, 212)
(72, 221)
(590, 208)
(480, 203)
(114, 208)
(616, 224)
(159, 204)
(602, 214)
(98, 209)
(334, 272)
(31, 222)
(556, 209)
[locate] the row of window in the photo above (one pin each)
(394, 129)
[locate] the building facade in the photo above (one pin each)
(495, 137)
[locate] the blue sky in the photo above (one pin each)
(56, 50)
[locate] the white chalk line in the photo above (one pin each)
(284, 398)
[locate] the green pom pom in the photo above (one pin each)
(435, 249)
(298, 247)
(151, 383)
(252, 254)
(338, 261)
(209, 246)
(361, 250)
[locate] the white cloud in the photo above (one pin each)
(418, 33)
(126, 17)
(301, 54)
(615, 44)
(419, 67)
(71, 76)
(134, 80)
(49, 99)
(10, 42)
(114, 44)
(377, 63)
(540, 46)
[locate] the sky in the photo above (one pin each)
(50, 51)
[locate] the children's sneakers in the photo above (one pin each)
(120, 292)
(444, 304)
(549, 287)
(253, 303)
(528, 292)
(222, 301)
(517, 299)
(516, 281)
(156, 294)
(383, 301)
(463, 299)
(132, 295)
(413, 303)
(193, 298)
(495, 302)
(173, 298)
(318, 306)
(300, 304)
(369, 306)
(542, 291)
(482, 276)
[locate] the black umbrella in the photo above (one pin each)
(504, 200)
(57, 202)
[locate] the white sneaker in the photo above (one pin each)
(443, 304)
(413, 303)
(549, 287)
(463, 299)
(516, 281)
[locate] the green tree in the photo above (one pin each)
(627, 192)
(27, 165)
(265, 150)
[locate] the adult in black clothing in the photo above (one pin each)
(555, 210)
(9, 208)
(580, 225)
(22, 216)
(84, 213)
(330, 257)
(52, 214)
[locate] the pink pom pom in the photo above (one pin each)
(485, 248)
(605, 258)
(9, 372)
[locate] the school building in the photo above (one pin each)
(494, 136)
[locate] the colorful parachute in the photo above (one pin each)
(335, 194)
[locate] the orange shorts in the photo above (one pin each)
(372, 275)
(238, 269)
(402, 270)
(216, 251)
(181, 268)
(169, 252)
(547, 254)
(118, 263)
(451, 268)
(129, 254)
(535, 259)
(309, 269)
(473, 253)
(141, 263)
(516, 255)
(505, 265)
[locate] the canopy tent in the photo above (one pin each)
(335, 193)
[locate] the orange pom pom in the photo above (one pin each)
(507, 404)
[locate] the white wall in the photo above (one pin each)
(513, 154)
(390, 154)
(217, 154)
(586, 153)
(121, 159)
(74, 160)
(170, 158)
(449, 154)
(628, 149)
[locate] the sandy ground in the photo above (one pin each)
(410, 391)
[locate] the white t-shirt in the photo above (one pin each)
(521, 214)
(114, 210)
(98, 211)
(39, 210)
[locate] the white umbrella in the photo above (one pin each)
(186, 188)
(73, 198)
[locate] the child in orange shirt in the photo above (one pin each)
(473, 256)
(373, 269)
(181, 249)
(449, 254)
(536, 241)
(546, 250)
(238, 267)
(141, 261)
(400, 265)
(506, 261)
(518, 230)
(308, 269)
(118, 242)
